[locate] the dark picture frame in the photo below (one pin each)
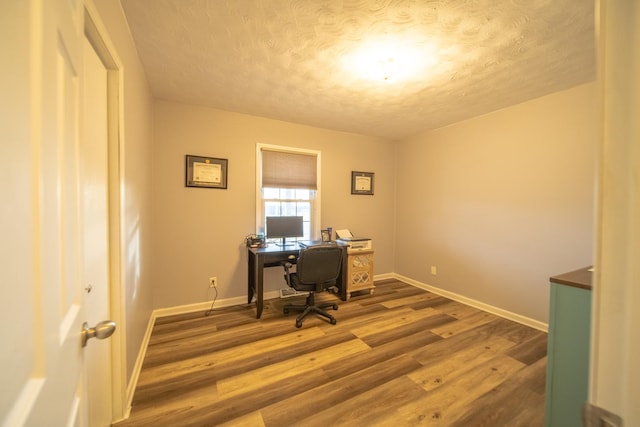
(206, 172)
(362, 182)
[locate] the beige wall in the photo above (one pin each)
(501, 202)
(136, 156)
(498, 203)
(200, 233)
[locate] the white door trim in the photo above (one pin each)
(96, 33)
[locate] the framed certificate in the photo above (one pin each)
(206, 172)
(362, 183)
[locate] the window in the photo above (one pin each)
(288, 184)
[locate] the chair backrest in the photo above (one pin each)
(319, 265)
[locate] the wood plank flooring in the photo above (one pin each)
(401, 357)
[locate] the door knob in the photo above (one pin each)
(101, 331)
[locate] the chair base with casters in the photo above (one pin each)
(318, 268)
(311, 307)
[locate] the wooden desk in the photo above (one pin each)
(273, 256)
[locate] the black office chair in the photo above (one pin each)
(317, 269)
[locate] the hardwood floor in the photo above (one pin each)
(401, 357)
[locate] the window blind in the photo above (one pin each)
(281, 169)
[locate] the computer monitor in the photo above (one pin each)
(283, 227)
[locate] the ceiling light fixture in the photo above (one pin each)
(390, 61)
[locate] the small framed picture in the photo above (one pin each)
(326, 235)
(206, 172)
(362, 183)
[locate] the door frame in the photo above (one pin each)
(97, 35)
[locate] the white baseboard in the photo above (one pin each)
(527, 321)
(204, 306)
(135, 374)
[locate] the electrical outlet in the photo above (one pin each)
(434, 270)
(213, 282)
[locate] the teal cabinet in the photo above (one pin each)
(568, 349)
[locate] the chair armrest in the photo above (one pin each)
(287, 265)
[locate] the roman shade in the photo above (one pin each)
(283, 169)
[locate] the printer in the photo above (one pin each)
(354, 244)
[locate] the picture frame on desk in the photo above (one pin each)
(362, 182)
(326, 235)
(206, 172)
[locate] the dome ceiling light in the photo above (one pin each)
(390, 61)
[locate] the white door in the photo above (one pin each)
(94, 185)
(42, 303)
(58, 290)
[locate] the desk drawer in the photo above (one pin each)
(274, 259)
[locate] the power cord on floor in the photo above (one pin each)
(210, 311)
(235, 306)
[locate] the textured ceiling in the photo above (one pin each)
(285, 59)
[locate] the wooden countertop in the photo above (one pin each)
(578, 278)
